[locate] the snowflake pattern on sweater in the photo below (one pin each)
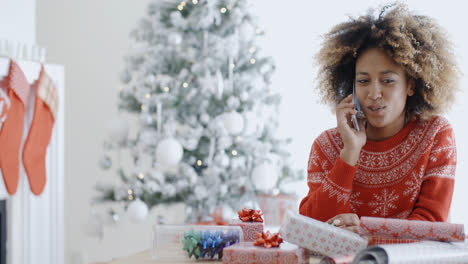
(410, 175)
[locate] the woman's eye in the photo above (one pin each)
(388, 81)
(362, 81)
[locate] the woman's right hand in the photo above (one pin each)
(353, 140)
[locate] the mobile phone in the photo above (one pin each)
(357, 107)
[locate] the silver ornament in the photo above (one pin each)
(105, 162)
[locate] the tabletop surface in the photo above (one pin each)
(144, 257)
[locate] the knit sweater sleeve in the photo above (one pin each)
(437, 186)
(329, 185)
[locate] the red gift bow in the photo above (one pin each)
(249, 215)
(268, 240)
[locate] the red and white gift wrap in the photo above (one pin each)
(320, 237)
(249, 229)
(247, 253)
(378, 240)
(411, 229)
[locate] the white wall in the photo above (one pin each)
(90, 38)
(18, 20)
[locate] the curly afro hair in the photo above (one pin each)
(415, 42)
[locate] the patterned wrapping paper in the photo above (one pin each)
(320, 237)
(411, 229)
(247, 253)
(377, 240)
(249, 229)
(426, 252)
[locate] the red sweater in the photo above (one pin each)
(410, 175)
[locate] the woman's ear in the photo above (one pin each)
(411, 87)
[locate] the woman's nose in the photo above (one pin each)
(375, 91)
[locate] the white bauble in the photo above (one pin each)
(137, 211)
(174, 38)
(264, 177)
(244, 96)
(118, 129)
(169, 152)
(204, 118)
(111, 218)
(233, 122)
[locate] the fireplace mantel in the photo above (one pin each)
(35, 224)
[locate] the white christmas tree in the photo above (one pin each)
(207, 117)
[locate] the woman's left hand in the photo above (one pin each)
(349, 222)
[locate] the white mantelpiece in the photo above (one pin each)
(35, 224)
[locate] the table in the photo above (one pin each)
(144, 257)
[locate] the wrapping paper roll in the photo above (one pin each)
(415, 253)
(320, 237)
(411, 229)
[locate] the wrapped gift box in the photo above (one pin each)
(179, 243)
(320, 237)
(249, 229)
(411, 229)
(247, 253)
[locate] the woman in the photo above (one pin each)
(401, 161)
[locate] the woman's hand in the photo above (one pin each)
(353, 140)
(349, 222)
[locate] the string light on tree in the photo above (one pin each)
(195, 2)
(181, 6)
(252, 61)
(233, 65)
(148, 96)
(199, 166)
(142, 107)
(185, 85)
(166, 89)
(223, 10)
(234, 152)
(141, 176)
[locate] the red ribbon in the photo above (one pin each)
(268, 240)
(250, 215)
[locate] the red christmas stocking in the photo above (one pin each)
(12, 129)
(35, 147)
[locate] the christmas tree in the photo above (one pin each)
(199, 85)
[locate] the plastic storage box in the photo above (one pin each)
(180, 243)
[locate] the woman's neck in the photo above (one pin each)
(383, 133)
